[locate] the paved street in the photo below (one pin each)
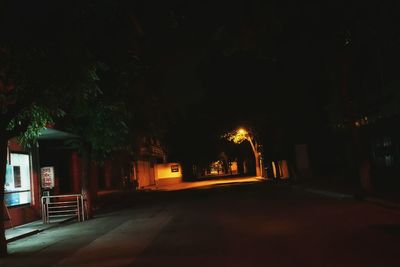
(252, 224)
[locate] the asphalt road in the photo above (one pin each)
(254, 224)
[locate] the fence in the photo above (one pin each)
(63, 206)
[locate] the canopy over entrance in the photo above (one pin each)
(49, 133)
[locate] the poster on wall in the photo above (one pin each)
(47, 176)
(9, 178)
(17, 186)
(17, 176)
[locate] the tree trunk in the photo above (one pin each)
(86, 192)
(254, 147)
(357, 154)
(258, 165)
(93, 184)
(3, 164)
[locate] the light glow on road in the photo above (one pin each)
(206, 184)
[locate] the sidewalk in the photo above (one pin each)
(21, 231)
(32, 228)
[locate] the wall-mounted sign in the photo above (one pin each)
(47, 175)
(175, 168)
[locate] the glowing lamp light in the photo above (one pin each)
(242, 131)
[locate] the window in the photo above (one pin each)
(18, 180)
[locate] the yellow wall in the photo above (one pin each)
(145, 173)
(234, 167)
(164, 171)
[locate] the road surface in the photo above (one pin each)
(252, 224)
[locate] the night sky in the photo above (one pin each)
(274, 66)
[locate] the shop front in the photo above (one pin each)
(21, 187)
(47, 168)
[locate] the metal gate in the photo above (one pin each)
(63, 206)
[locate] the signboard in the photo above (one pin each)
(47, 175)
(175, 168)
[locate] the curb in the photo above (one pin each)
(376, 201)
(329, 193)
(17, 237)
(38, 230)
(383, 203)
(323, 192)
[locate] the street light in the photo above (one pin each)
(240, 135)
(242, 131)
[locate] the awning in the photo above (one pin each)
(53, 134)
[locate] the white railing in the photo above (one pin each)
(63, 206)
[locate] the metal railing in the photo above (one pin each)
(63, 206)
